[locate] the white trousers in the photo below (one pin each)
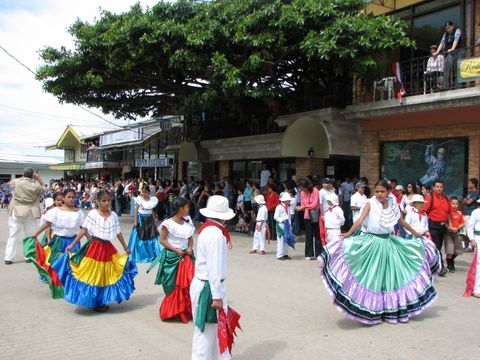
(15, 225)
(205, 344)
(259, 239)
(333, 234)
(282, 248)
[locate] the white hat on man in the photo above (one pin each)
(417, 198)
(259, 199)
(285, 197)
(333, 198)
(217, 208)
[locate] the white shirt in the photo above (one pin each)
(262, 214)
(417, 220)
(358, 200)
(64, 223)
(322, 198)
(146, 206)
(105, 228)
(334, 217)
(474, 225)
(281, 215)
(211, 259)
(264, 175)
(380, 220)
(178, 235)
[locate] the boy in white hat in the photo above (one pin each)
(473, 276)
(207, 290)
(282, 217)
(416, 217)
(334, 218)
(259, 236)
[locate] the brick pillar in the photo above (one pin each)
(206, 170)
(370, 156)
(223, 168)
(474, 156)
(308, 166)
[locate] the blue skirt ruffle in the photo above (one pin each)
(143, 251)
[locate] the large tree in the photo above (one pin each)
(235, 56)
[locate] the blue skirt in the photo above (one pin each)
(143, 251)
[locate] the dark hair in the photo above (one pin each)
(67, 191)
(28, 172)
(56, 194)
(145, 188)
(449, 23)
(102, 193)
(474, 181)
(382, 183)
(427, 187)
(414, 187)
(453, 198)
(304, 183)
(178, 203)
(439, 182)
(433, 47)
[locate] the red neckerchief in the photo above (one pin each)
(331, 208)
(419, 212)
(217, 225)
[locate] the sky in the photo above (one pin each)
(30, 119)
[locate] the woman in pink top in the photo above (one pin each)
(309, 201)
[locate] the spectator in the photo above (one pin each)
(453, 237)
(247, 196)
(407, 198)
(310, 205)
(358, 201)
(272, 200)
(264, 175)
(435, 67)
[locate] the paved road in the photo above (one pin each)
(286, 314)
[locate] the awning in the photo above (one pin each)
(306, 137)
(67, 166)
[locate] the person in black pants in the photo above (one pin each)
(310, 206)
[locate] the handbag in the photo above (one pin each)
(314, 216)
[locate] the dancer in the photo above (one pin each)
(176, 262)
(55, 201)
(144, 243)
(378, 276)
(334, 218)
(64, 222)
(96, 274)
(473, 277)
(215, 322)
(284, 232)
(261, 226)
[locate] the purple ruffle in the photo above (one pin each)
(372, 301)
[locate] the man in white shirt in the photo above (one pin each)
(264, 175)
(327, 189)
(358, 201)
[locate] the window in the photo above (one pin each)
(83, 152)
(69, 156)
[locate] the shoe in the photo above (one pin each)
(28, 261)
(281, 258)
(8, 262)
(103, 308)
(443, 273)
(313, 258)
(261, 252)
(307, 258)
(286, 257)
(252, 251)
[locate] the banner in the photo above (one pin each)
(468, 69)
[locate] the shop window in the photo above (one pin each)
(83, 152)
(69, 155)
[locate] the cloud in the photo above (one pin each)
(29, 117)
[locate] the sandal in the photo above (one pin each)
(252, 251)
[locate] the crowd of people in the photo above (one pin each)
(379, 251)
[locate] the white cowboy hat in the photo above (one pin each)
(217, 208)
(417, 198)
(285, 197)
(333, 198)
(259, 199)
(399, 188)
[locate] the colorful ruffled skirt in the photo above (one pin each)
(43, 255)
(144, 242)
(96, 274)
(175, 274)
(380, 278)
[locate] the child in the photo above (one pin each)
(453, 238)
(96, 274)
(334, 218)
(239, 207)
(261, 226)
(215, 322)
(282, 217)
(417, 218)
(377, 276)
(473, 277)
(143, 242)
(241, 224)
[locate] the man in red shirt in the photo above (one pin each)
(272, 200)
(438, 208)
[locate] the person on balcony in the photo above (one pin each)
(452, 45)
(434, 72)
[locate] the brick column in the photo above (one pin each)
(474, 156)
(308, 166)
(223, 168)
(370, 156)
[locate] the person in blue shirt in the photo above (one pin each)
(247, 196)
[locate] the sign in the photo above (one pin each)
(330, 170)
(468, 69)
(165, 125)
(67, 167)
(103, 165)
(120, 137)
(162, 162)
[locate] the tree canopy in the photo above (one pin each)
(188, 56)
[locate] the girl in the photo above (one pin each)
(473, 231)
(176, 262)
(144, 237)
(407, 198)
(377, 276)
(57, 202)
(96, 274)
(63, 221)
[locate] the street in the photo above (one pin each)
(286, 314)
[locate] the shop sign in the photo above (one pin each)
(468, 69)
(103, 165)
(120, 137)
(162, 162)
(67, 167)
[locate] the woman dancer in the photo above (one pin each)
(64, 222)
(96, 274)
(143, 241)
(176, 262)
(56, 201)
(377, 276)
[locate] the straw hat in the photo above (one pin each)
(417, 198)
(285, 197)
(259, 199)
(217, 208)
(333, 198)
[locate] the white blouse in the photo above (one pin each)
(178, 235)
(146, 206)
(105, 228)
(64, 223)
(380, 220)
